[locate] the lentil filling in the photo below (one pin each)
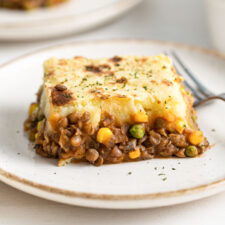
(73, 139)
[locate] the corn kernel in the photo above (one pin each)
(170, 127)
(32, 108)
(53, 120)
(36, 135)
(39, 125)
(140, 117)
(63, 162)
(180, 125)
(169, 117)
(135, 154)
(104, 135)
(196, 137)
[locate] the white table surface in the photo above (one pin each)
(181, 21)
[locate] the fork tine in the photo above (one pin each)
(201, 87)
(192, 89)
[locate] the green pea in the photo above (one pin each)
(137, 131)
(191, 151)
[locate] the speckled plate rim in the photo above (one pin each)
(27, 185)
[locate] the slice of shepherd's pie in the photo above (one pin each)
(28, 4)
(113, 110)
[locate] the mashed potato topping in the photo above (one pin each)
(120, 86)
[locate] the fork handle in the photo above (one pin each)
(200, 102)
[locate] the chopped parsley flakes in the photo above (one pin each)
(145, 87)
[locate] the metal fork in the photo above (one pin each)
(202, 94)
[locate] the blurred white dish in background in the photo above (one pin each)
(71, 17)
(216, 17)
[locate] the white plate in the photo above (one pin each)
(71, 17)
(110, 186)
